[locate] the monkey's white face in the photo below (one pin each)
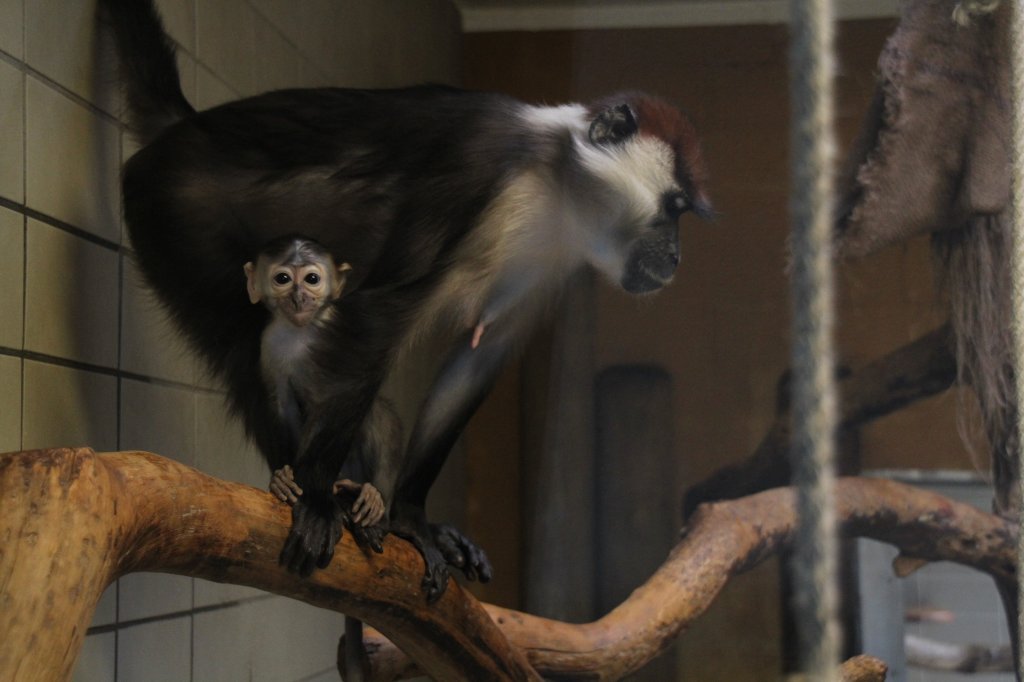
(298, 289)
(298, 292)
(633, 229)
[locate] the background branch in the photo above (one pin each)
(920, 369)
(725, 539)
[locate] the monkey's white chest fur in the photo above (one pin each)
(286, 366)
(510, 265)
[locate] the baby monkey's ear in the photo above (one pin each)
(250, 282)
(339, 279)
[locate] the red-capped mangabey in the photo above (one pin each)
(454, 208)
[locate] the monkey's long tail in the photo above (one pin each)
(149, 72)
(352, 657)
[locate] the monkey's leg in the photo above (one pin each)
(331, 433)
(460, 387)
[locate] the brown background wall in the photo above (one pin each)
(722, 328)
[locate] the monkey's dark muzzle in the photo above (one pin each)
(299, 308)
(652, 261)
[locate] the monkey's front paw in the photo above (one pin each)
(435, 575)
(311, 540)
(283, 485)
(461, 552)
(367, 509)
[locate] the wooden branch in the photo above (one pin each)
(73, 521)
(723, 540)
(863, 669)
(922, 368)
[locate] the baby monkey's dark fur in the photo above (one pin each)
(298, 280)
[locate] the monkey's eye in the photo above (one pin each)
(312, 278)
(676, 204)
(282, 278)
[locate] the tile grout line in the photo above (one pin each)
(174, 615)
(35, 214)
(24, 222)
(82, 366)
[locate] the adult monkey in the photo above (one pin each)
(453, 207)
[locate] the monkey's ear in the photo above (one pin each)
(613, 125)
(342, 275)
(250, 282)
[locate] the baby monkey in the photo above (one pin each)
(297, 280)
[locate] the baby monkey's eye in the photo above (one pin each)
(312, 278)
(282, 278)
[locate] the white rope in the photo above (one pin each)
(814, 390)
(1017, 269)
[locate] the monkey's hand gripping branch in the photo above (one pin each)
(74, 521)
(361, 506)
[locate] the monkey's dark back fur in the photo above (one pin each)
(214, 188)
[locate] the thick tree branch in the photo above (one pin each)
(74, 521)
(725, 539)
(920, 369)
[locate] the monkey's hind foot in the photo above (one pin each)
(461, 552)
(447, 546)
(316, 529)
(435, 571)
(410, 524)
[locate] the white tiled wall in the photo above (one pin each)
(86, 357)
(12, 276)
(12, 130)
